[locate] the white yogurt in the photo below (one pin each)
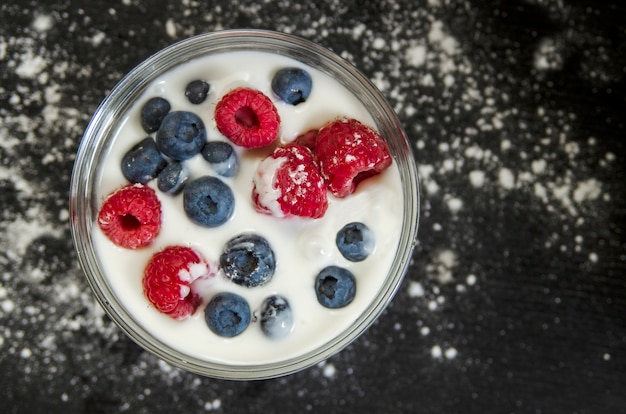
(302, 246)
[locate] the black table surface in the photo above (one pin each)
(515, 301)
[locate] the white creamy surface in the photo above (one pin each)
(302, 246)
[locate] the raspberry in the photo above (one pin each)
(131, 216)
(349, 152)
(308, 139)
(248, 118)
(288, 183)
(168, 277)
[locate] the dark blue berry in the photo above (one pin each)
(227, 314)
(222, 157)
(276, 317)
(153, 112)
(355, 241)
(248, 260)
(335, 287)
(181, 136)
(172, 179)
(292, 85)
(208, 202)
(197, 91)
(143, 162)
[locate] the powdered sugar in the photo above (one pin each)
(459, 160)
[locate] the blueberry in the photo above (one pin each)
(355, 241)
(292, 85)
(222, 157)
(208, 202)
(153, 112)
(248, 260)
(227, 314)
(142, 162)
(276, 317)
(197, 91)
(335, 287)
(172, 179)
(181, 136)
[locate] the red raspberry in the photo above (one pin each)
(131, 216)
(308, 139)
(248, 118)
(349, 152)
(168, 277)
(288, 183)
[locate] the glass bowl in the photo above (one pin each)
(236, 358)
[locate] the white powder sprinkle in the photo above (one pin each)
(587, 190)
(506, 179)
(43, 22)
(26, 353)
(170, 28)
(97, 38)
(477, 178)
(379, 43)
(30, 65)
(454, 204)
(329, 370)
(416, 290)
(442, 265)
(7, 305)
(450, 353)
(213, 405)
(416, 55)
(547, 55)
(21, 233)
(538, 166)
(436, 351)
(505, 145)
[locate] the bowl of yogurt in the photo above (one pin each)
(213, 210)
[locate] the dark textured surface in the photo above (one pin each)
(516, 299)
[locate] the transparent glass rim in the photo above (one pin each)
(98, 134)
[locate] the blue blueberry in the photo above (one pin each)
(172, 178)
(355, 241)
(208, 202)
(248, 260)
(222, 157)
(181, 136)
(335, 287)
(227, 314)
(276, 317)
(197, 91)
(153, 112)
(143, 162)
(292, 85)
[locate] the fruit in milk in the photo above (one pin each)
(222, 185)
